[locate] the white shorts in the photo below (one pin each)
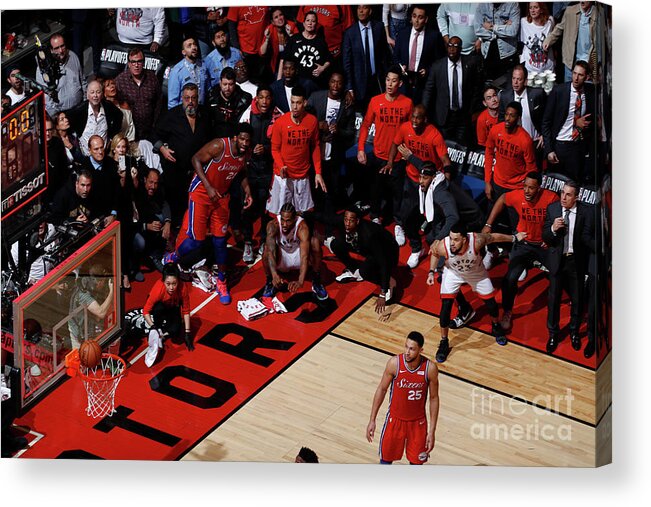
(451, 282)
(288, 261)
(296, 191)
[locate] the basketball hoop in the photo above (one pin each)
(100, 382)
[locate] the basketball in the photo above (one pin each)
(90, 354)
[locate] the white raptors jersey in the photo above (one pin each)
(289, 243)
(469, 263)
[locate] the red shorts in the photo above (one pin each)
(202, 213)
(397, 434)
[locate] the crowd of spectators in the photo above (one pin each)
(121, 146)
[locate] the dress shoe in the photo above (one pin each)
(589, 350)
(576, 341)
(552, 343)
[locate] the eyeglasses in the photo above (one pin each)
(137, 62)
(240, 67)
(50, 129)
(453, 45)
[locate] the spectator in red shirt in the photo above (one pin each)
(387, 112)
(295, 147)
(488, 117)
(530, 203)
(246, 31)
(510, 154)
(167, 306)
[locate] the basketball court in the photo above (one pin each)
(258, 391)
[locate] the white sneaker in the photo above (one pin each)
(349, 276)
(202, 279)
(488, 260)
(377, 221)
(261, 249)
(415, 258)
(523, 276)
(400, 235)
(328, 242)
(152, 350)
(247, 254)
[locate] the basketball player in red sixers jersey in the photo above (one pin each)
(215, 165)
(410, 376)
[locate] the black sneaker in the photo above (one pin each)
(443, 351)
(498, 333)
(462, 319)
(269, 290)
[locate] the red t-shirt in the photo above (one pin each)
(158, 293)
(532, 214)
(429, 146)
(485, 123)
(220, 172)
(513, 154)
(274, 42)
(409, 391)
(387, 115)
(251, 22)
(334, 19)
(293, 145)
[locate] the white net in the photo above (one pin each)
(101, 383)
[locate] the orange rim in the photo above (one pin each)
(74, 367)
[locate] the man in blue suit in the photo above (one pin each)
(364, 67)
(417, 47)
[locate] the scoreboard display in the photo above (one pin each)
(24, 163)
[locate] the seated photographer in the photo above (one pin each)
(154, 221)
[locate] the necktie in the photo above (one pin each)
(577, 114)
(367, 53)
(566, 239)
(455, 88)
(518, 98)
(412, 54)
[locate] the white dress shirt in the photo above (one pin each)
(419, 46)
(565, 134)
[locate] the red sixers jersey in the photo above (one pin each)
(220, 172)
(409, 391)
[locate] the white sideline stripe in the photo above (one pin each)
(201, 305)
(38, 435)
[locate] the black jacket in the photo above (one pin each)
(105, 191)
(67, 205)
(536, 99)
(225, 113)
(78, 117)
(436, 94)
(345, 136)
(583, 242)
(557, 110)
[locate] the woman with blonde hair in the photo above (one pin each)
(111, 94)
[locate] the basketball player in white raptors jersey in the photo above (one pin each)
(464, 264)
(289, 247)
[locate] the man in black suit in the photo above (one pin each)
(178, 135)
(452, 111)
(416, 48)
(364, 68)
(336, 133)
(375, 244)
(95, 116)
(568, 126)
(533, 107)
(568, 231)
(282, 88)
(106, 181)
